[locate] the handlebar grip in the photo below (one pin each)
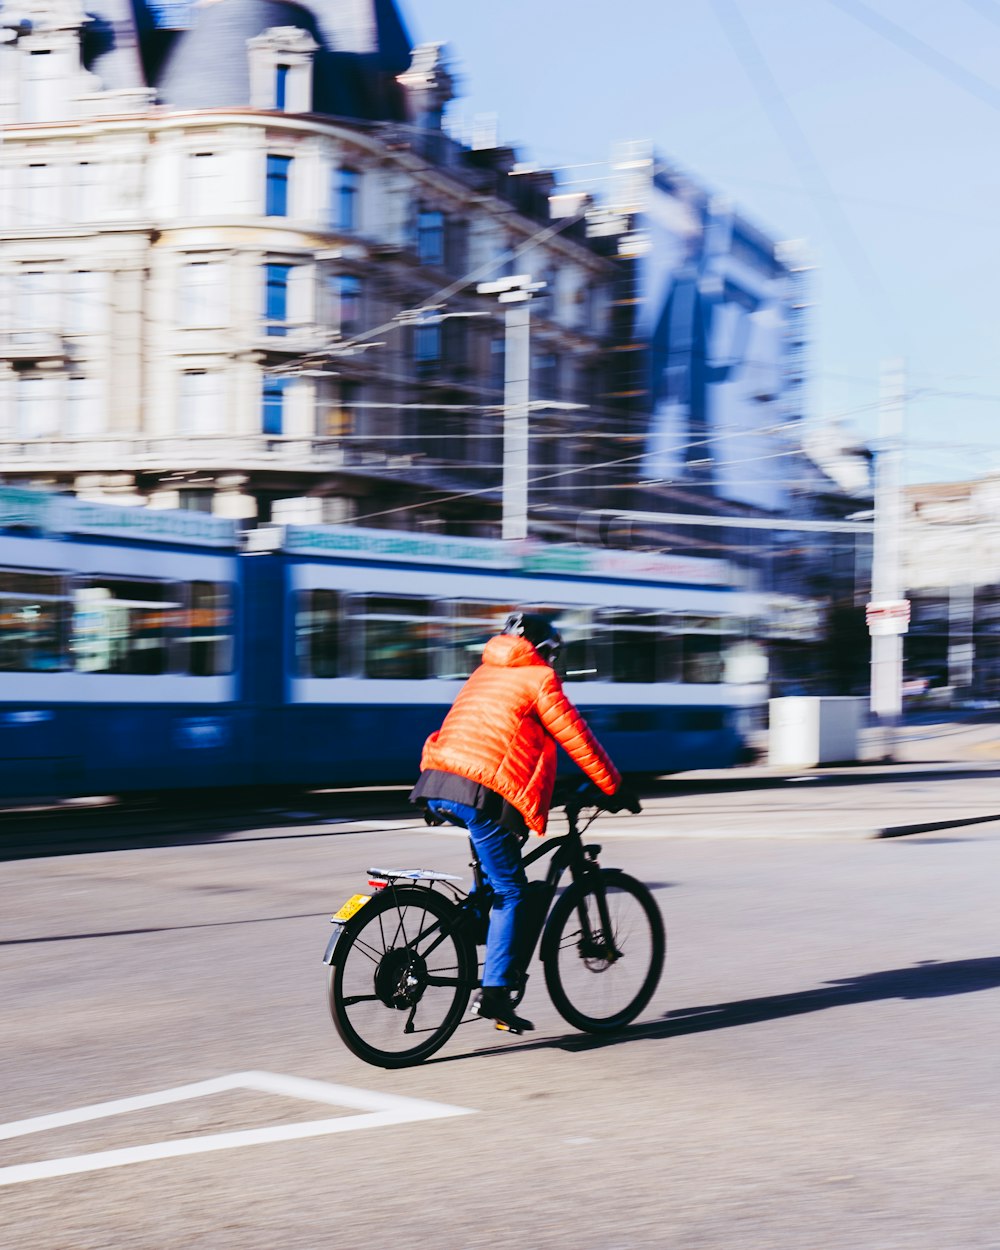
(589, 795)
(627, 799)
(585, 795)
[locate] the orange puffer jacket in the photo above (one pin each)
(503, 728)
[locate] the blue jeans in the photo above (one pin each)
(500, 855)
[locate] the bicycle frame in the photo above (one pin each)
(568, 852)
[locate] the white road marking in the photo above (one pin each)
(379, 1110)
(613, 832)
(709, 831)
(373, 826)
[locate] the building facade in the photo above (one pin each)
(715, 316)
(217, 223)
(951, 568)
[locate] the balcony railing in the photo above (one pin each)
(132, 452)
(312, 455)
(31, 346)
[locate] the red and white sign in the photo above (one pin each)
(888, 616)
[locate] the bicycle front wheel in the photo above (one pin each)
(401, 977)
(602, 964)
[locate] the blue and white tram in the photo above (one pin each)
(145, 650)
(118, 653)
(378, 630)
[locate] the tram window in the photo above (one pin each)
(744, 662)
(123, 626)
(472, 625)
(318, 634)
(577, 658)
(400, 639)
(206, 634)
(670, 653)
(630, 642)
(33, 611)
(704, 643)
(702, 659)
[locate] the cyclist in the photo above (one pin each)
(491, 768)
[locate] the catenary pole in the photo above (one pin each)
(517, 368)
(515, 292)
(887, 648)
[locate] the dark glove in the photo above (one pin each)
(432, 818)
(623, 800)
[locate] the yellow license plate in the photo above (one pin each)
(353, 904)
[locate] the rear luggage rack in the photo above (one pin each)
(409, 874)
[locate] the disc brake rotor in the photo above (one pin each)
(598, 953)
(400, 978)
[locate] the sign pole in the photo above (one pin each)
(887, 647)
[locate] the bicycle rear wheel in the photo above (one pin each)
(401, 977)
(600, 978)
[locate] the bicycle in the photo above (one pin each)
(409, 950)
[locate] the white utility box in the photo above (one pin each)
(807, 730)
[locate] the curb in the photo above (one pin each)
(834, 833)
(932, 826)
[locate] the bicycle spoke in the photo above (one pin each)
(408, 997)
(370, 952)
(400, 927)
(602, 975)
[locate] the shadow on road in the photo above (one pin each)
(199, 818)
(927, 979)
(167, 928)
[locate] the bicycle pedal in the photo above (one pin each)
(505, 1028)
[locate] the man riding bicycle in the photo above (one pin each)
(491, 768)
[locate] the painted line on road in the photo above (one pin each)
(605, 832)
(740, 834)
(834, 832)
(378, 1110)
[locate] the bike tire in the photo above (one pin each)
(376, 953)
(589, 990)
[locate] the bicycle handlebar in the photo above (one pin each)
(588, 795)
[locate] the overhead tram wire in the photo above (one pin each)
(987, 9)
(786, 126)
(597, 410)
(692, 444)
(673, 518)
(625, 415)
(644, 455)
(434, 300)
(928, 56)
(438, 297)
(491, 490)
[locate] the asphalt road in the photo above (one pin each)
(817, 1070)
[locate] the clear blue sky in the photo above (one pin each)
(879, 149)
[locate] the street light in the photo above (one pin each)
(431, 315)
(516, 292)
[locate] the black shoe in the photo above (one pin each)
(493, 1003)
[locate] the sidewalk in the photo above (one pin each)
(947, 776)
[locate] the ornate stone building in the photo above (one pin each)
(216, 222)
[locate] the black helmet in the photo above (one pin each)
(538, 630)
